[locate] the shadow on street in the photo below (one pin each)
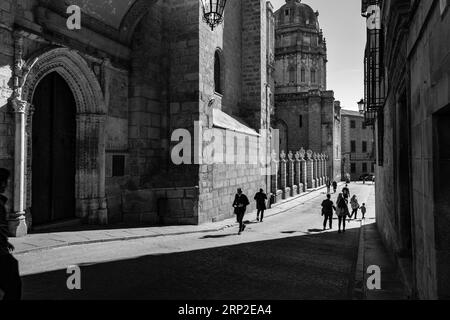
(318, 266)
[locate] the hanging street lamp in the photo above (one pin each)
(213, 12)
(362, 106)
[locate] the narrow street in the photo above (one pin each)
(288, 256)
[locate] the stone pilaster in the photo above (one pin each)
(274, 166)
(321, 172)
(298, 173)
(283, 175)
(291, 174)
(315, 175)
(310, 170)
(303, 169)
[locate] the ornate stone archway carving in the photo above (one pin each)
(90, 127)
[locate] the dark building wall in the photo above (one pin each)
(429, 64)
(412, 211)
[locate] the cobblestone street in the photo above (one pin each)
(285, 257)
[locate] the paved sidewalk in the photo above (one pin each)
(373, 253)
(45, 241)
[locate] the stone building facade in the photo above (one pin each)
(412, 138)
(358, 152)
(306, 114)
(89, 118)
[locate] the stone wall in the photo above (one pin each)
(429, 51)
(412, 193)
(242, 42)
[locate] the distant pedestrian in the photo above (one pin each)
(240, 206)
(342, 211)
(328, 186)
(261, 199)
(355, 206)
(335, 185)
(10, 283)
(363, 210)
(327, 212)
(346, 192)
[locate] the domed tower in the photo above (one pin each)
(300, 49)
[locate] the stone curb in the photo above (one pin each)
(227, 226)
(359, 286)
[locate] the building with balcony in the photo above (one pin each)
(358, 152)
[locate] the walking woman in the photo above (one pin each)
(355, 206)
(342, 211)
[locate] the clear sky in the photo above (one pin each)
(345, 31)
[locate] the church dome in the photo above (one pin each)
(298, 13)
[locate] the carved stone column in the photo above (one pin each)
(325, 167)
(298, 173)
(318, 174)
(16, 220)
(320, 169)
(310, 170)
(274, 175)
(303, 169)
(283, 175)
(291, 174)
(315, 172)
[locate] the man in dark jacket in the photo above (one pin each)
(240, 206)
(10, 283)
(327, 212)
(261, 199)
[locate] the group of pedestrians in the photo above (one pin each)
(341, 208)
(240, 207)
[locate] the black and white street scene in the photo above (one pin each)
(212, 150)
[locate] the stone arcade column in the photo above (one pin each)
(324, 168)
(274, 175)
(303, 166)
(298, 173)
(283, 175)
(318, 171)
(16, 220)
(321, 175)
(310, 170)
(315, 173)
(291, 174)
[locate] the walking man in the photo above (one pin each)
(240, 206)
(328, 186)
(10, 283)
(335, 185)
(346, 192)
(327, 212)
(261, 199)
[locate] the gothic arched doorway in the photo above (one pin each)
(54, 147)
